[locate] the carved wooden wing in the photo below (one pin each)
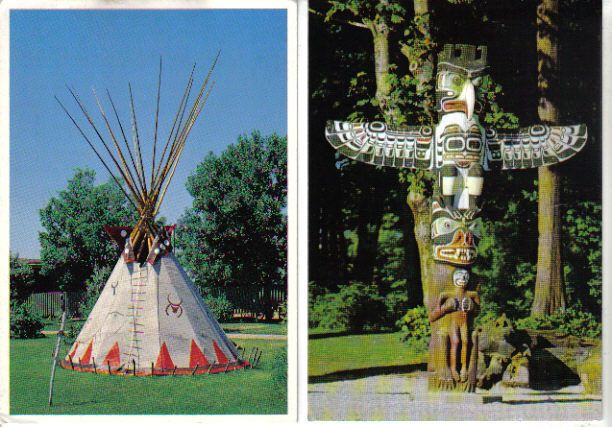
(534, 146)
(376, 144)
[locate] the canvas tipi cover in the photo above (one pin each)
(150, 320)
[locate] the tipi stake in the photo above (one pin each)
(174, 370)
(134, 366)
(209, 368)
(94, 363)
(194, 371)
(56, 351)
(71, 363)
(258, 358)
(152, 369)
(226, 367)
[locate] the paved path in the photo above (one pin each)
(257, 336)
(405, 397)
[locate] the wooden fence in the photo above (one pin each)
(49, 304)
(246, 303)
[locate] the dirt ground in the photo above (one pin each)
(405, 397)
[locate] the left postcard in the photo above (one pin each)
(148, 191)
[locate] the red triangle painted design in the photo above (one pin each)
(87, 355)
(196, 357)
(221, 357)
(164, 361)
(113, 357)
(74, 349)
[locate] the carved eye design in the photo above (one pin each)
(474, 227)
(457, 80)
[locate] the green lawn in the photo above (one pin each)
(348, 356)
(253, 391)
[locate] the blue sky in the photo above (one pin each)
(107, 49)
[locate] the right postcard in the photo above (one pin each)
(455, 210)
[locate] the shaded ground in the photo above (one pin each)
(405, 397)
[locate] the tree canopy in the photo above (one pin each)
(360, 229)
(235, 235)
(74, 242)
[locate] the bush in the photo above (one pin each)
(571, 321)
(220, 306)
(354, 307)
(415, 325)
(279, 370)
(22, 279)
(24, 323)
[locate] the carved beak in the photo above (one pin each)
(468, 95)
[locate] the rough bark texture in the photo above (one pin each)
(549, 286)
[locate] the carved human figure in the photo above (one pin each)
(461, 306)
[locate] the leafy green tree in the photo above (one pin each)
(22, 279)
(235, 235)
(74, 243)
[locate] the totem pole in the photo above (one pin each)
(459, 149)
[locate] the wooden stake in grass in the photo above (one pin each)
(60, 334)
(109, 369)
(134, 366)
(195, 369)
(94, 364)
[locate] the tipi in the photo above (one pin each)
(149, 318)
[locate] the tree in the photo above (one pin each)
(74, 242)
(22, 279)
(235, 235)
(506, 270)
(549, 286)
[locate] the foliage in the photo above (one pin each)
(571, 321)
(279, 367)
(349, 201)
(22, 279)
(235, 235)
(24, 322)
(221, 307)
(74, 242)
(354, 307)
(583, 254)
(415, 325)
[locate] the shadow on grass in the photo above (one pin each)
(532, 402)
(355, 374)
(319, 335)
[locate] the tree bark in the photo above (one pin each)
(549, 287)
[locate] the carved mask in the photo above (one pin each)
(455, 234)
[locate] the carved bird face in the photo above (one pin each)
(461, 70)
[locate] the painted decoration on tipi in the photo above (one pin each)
(149, 318)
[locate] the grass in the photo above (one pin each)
(258, 391)
(342, 356)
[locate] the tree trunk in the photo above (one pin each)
(549, 287)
